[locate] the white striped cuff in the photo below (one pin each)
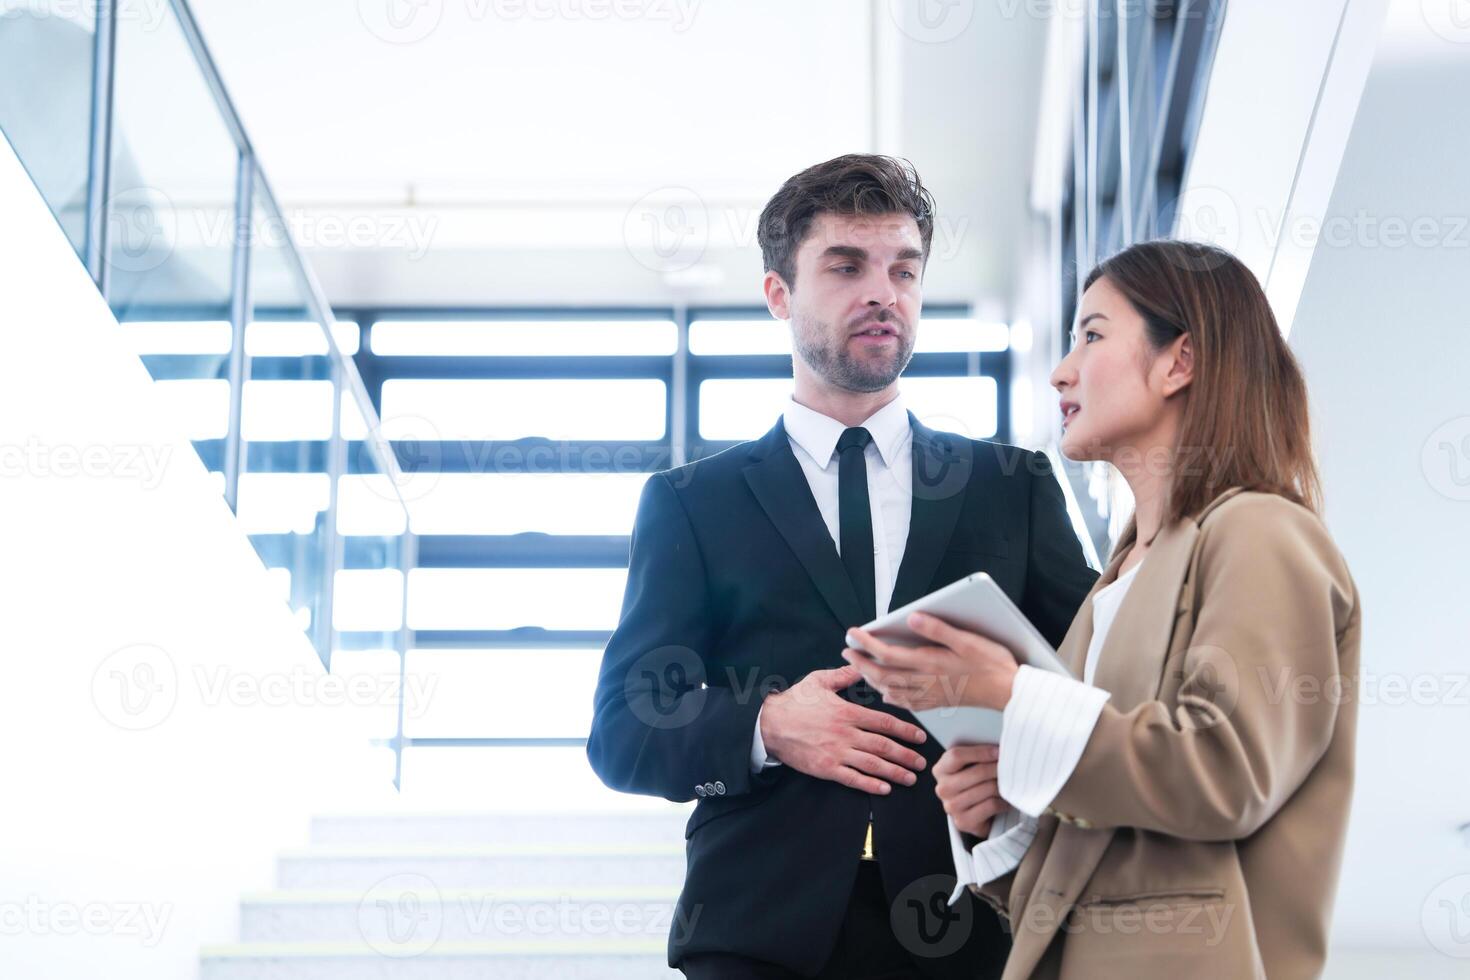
(1011, 834)
(1044, 729)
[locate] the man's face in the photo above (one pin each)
(855, 303)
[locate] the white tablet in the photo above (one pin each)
(974, 603)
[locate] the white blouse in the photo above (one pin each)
(1044, 730)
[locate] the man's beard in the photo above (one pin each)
(832, 359)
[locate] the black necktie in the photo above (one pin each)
(855, 519)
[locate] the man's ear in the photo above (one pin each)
(1181, 365)
(778, 295)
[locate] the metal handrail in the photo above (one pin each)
(252, 191)
(320, 309)
(344, 373)
(99, 152)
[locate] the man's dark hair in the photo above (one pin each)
(855, 183)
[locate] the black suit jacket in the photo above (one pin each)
(735, 589)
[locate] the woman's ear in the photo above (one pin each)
(1180, 358)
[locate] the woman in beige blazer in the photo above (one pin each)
(1183, 814)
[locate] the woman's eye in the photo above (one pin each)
(1091, 334)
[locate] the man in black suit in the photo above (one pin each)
(818, 846)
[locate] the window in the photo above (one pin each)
(483, 693)
(515, 503)
(515, 598)
(506, 409)
(525, 338)
(525, 440)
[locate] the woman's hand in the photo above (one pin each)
(965, 778)
(960, 669)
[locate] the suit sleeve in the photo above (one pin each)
(1272, 598)
(1057, 575)
(657, 728)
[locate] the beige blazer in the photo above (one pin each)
(1202, 831)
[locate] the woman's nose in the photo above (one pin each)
(1063, 376)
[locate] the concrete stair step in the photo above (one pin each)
(636, 827)
(384, 915)
(466, 896)
(500, 866)
(643, 960)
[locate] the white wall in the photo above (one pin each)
(1331, 160)
(1283, 89)
(1383, 332)
(1321, 146)
(140, 796)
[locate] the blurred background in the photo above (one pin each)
(342, 336)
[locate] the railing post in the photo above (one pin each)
(679, 434)
(408, 559)
(239, 318)
(1124, 201)
(99, 162)
(332, 546)
(1093, 83)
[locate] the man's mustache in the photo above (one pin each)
(883, 319)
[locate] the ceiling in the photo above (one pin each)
(457, 152)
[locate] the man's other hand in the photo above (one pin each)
(810, 728)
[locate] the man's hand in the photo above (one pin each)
(809, 728)
(967, 785)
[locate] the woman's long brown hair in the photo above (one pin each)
(1245, 417)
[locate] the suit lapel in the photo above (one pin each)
(779, 485)
(942, 467)
(1131, 662)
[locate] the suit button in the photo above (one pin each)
(698, 790)
(709, 789)
(719, 788)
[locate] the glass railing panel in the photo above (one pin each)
(223, 312)
(371, 520)
(286, 426)
(175, 164)
(46, 103)
(369, 635)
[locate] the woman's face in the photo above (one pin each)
(1114, 390)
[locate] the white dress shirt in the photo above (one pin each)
(889, 458)
(1044, 730)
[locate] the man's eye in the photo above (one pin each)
(846, 268)
(907, 273)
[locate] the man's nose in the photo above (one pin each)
(878, 290)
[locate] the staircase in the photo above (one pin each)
(458, 896)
